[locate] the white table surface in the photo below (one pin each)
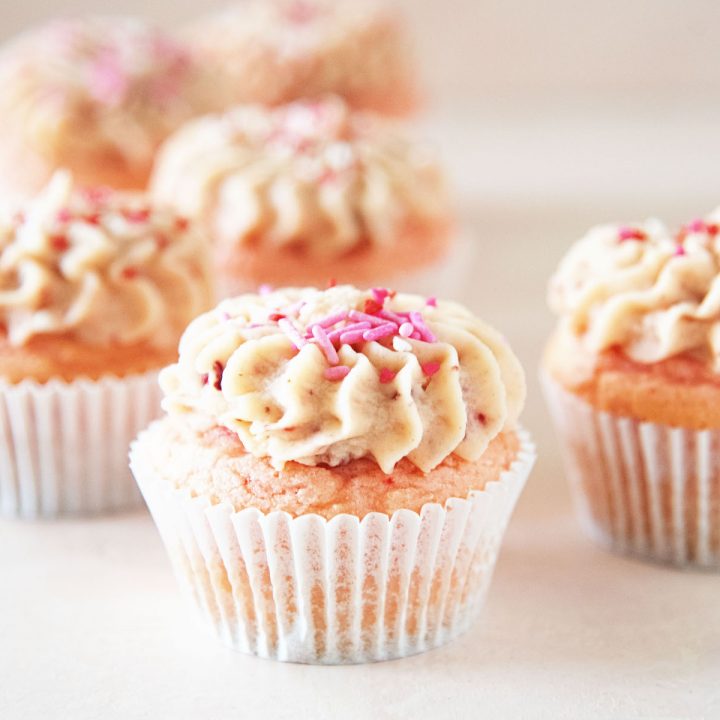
(91, 625)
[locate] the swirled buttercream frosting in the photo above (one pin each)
(312, 175)
(324, 377)
(102, 267)
(98, 82)
(643, 289)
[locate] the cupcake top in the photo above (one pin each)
(325, 377)
(642, 289)
(101, 267)
(311, 175)
(111, 82)
(275, 51)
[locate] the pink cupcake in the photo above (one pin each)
(94, 95)
(336, 470)
(275, 51)
(306, 192)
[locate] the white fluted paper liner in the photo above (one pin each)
(63, 445)
(346, 590)
(643, 489)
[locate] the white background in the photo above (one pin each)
(552, 116)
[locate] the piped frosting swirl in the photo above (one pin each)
(102, 267)
(316, 377)
(641, 288)
(311, 175)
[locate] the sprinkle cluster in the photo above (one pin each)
(694, 227)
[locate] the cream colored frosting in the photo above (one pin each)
(102, 267)
(310, 175)
(654, 296)
(274, 51)
(110, 82)
(394, 397)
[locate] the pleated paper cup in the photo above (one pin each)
(642, 489)
(345, 590)
(63, 445)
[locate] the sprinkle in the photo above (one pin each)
(204, 377)
(380, 295)
(325, 345)
(136, 215)
(129, 272)
(218, 369)
(431, 302)
(96, 195)
(162, 241)
(59, 242)
(372, 306)
(337, 334)
(380, 332)
(387, 375)
(352, 336)
(372, 319)
(397, 318)
(295, 308)
(182, 224)
(332, 319)
(425, 332)
(291, 331)
(265, 289)
(92, 218)
(64, 215)
(274, 317)
(712, 229)
(338, 372)
(696, 226)
(332, 282)
(481, 418)
(679, 251)
(430, 368)
(630, 233)
(407, 329)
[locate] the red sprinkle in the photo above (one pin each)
(92, 218)
(332, 282)
(129, 272)
(274, 317)
(59, 242)
(337, 372)
(182, 224)
(430, 368)
(387, 375)
(630, 233)
(138, 215)
(679, 251)
(372, 306)
(204, 377)
(218, 370)
(162, 241)
(481, 418)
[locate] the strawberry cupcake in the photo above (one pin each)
(94, 95)
(95, 290)
(306, 192)
(276, 51)
(336, 469)
(632, 375)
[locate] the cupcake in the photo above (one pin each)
(96, 288)
(94, 95)
(306, 192)
(632, 375)
(336, 469)
(276, 51)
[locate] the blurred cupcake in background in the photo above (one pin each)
(632, 375)
(95, 290)
(336, 470)
(94, 95)
(306, 192)
(276, 51)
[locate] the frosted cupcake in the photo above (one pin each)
(276, 51)
(95, 290)
(306, 192)
(633, 378)
(94, 95)
(336, 470)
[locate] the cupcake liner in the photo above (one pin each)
(643, 489)
(63, 446)
(335, 591)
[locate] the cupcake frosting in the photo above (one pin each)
(324, 377)
(653, 294)
(112, 82)
(312, 175)
(102, 267)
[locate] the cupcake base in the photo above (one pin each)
(642, 489)
(345, 590)
(63, 446)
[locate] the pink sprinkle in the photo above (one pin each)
(291, 331)
(325, 345)
(333, 319)
(265, 289)
(679, 251)
(430, 368)
(431, 302)
(397, 318)
(337, 334)
(416, 335)
(372, 319)
(352, 336)
(406, 329)
(696, 226)
(387, 375)
(295, 308)
(338, 372)
(380, 295)
(630, 233)
(380, 332)
(64, 215)
(425, 333)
